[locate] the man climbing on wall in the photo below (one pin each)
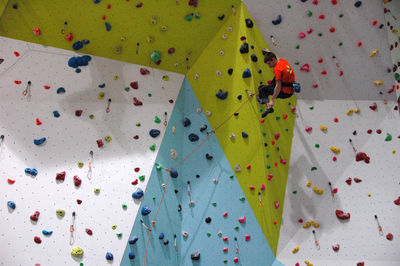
(282, 86)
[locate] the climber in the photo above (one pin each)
(282, 86)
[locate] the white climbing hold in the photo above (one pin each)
(219, 73)
(196, 76)
(232, 136)
(237, 168)
(221, 52)
(185, 234)
(174, 154)
(208, 113)
(230, 29)
(224, 37)
(173, 129)
(198, 110)
(215, 180)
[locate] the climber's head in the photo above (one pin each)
(270, 59)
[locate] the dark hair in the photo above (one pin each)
(269, 56)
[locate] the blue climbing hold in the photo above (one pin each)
(133, 240)
(39, 141)
(31, 171)
(11, 204)
(96, 1)
(154, 133)
(78, 61)
(246, 73)
(78, 70)
(102, 85)
(357, 4)
(145, 210)
(173, 173)
(193, 137)
(77, 45)
(56, 114)
(161, 236)
(138, 194)
(109, 256)
(108, 26)
(132, 255)
(245, 135)
(85, 41)
(60, 90)
(47, 233)
(222, 95)
(278, 20)
(186, 122)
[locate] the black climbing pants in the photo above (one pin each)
(267, 90)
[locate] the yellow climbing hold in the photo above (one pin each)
(108, 138)
(295, 249)
(357, 111)
(97, 190)
(378, 82)
(308, 263)
(394, 152)
(335, 150)
(308, 184)
(77, 251)
(165, 78)
(116, 77)
(307, 225)
(114, 227)
(394, 31)
(318, 191)
(100, 96)
(349, 112)
(373, 53)
(316, 225)
(323, 128)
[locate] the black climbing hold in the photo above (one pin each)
(193, 137)
(265, 144)
(166, 242)
(154, 133)
(15, 6)
(355, 132)
(221, 17)
(222, 95)
(197, 176)
(246, 73)
(358, 4)
(245, 135)
(259, 71)
(249, 23)
(208, 220)
(264, 51)
(179, 208)
(394, 68)
(252, 46)
(389, 70)
(303, 1)
(381, 26)
(236, 114)
(133, 240)
(203, 128)
(173, 173)
(230, 71)
(161, 236)
(254, 58)
(208, 156)
(244, 48)
(239, 97)
(176, 191)
(195, 256)
(186, 122)
(131, 255)
(381, 93)
(396, 108)
(277, 20)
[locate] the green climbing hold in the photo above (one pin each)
(189, 17)
(236, 227)
(124, 206)
(388, 137)
(142, 177)
(267, 155)
(81, 264)
(91, 116)
(298, 46)
(261, 110)
(242, 198)
(138, 124)
(341, 43)
(197, 15)
(277, 117)
(119, 234)
(341, 15)
(313, 168)
(80, 164)
(155, 56)
(309, 13)
(268, 166)
(297, 63)
(214, 204)
(208, 234)
(225, 261)
(154, 197)
(157, 119)
(397, 76)
(149, 95)
(295, 192)
(289, 6)
(158, 166)
(231, 176)
(153, 147)
(320, 34)
(311, 107)
(264, 134)
(126, 89)
(317, 145)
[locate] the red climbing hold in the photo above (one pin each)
(361, 156)
(305, 67)
(38, 123)
(300, 220)
(360, 263)
(242, 219)
(35, 216)
(10, 181)
(89, 231)
(310, 30)
(135, 182)
(348, 181)
(78, 201)
(315, 86)
(374, 22)
(320, 60)
(109, 6)
(137, 169)
(136, 102)
(17, 82)
(262, 120)
(225, 214)
(332, 29)
(334, 2)
(322, 16)
(61, 176)
(171, 101)
(315, 2)
(357, 180)
(193, 3)
(16, 53)
(37, 240)
(69, 37)
(171, 50)
(46, 87)
(100, 143)
(270, 176)
(104, 17)
(247, 237)
(77, 181)
(342, 215)
(389, 236)
(262, 187)
(134, 85)
(369, 131)
(225, 238)
(78, 112)
(248, 167)
(397, 202)
(373, 107)
(336, 120)
(252, 188)
(336, 247)
(144, 71)
(136, 137)
(359, 44)
(236, 259)
(225, 249)
(277, 136)
(36, 31)
(285, 116)
(340, 73)
(323, 72)
(378, 131)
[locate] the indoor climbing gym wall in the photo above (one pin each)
(131, 133)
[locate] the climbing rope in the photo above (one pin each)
(169, 170)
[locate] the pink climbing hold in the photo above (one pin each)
(270, 176)
(300, 220)
(335, 190)
(297, 264)
(334, 158)
(305, 67)
(262, 187)
(277, 136)
(302, 35)
(276, 203)
(242, 219)
(340, 73)
(283, 161)
(247, 237)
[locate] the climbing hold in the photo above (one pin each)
(332, 29)
(335, 150)
(138, 194)
(237, 168)
(336, 247)
(186, 122)
(277, 20)
(313, 168)
(362, 156)
(11, 204)
(208, 156)
(295, 250)
(173, 173)
(193, 137)
(305, 67)
(253, 58)
(244, 48)
(60, 90)
(133, 240)
(245, 135)
(145, 210)
(388, 137)
(39, 141)
(246, 73)
(357, 4)
(109, 256)
(34, 217)
(208, 220)
(342, 215)
(249, 23)
(152, 147)
(242, 219)
(31, 171)
(308, 129)
(195, 256)
(77, 181)
(77, 252)
(222, 95)
(373, 53)
(302, 35)
(155, 57)
(60, 176)
(154, 133)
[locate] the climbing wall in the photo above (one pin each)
(309, 34)
(213, 215)
(122, 164)
(249, 142)
(151, 33)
